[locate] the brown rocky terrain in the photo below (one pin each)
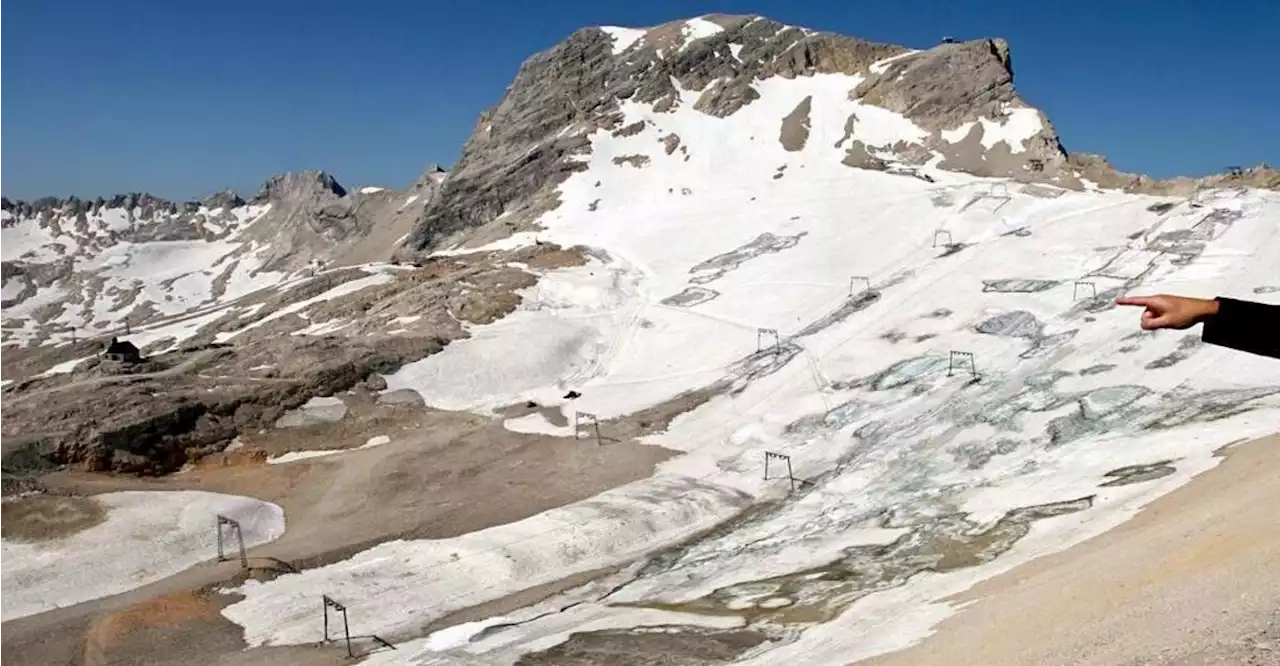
(440, 474)
(181, 405)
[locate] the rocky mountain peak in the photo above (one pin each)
(960, 96)
(223, 199)
(298, 185)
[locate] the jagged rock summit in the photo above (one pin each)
(950, 107)
(953, 106)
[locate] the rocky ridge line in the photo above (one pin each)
(527, 144)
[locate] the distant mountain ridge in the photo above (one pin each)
(109, 263)
(951, 107)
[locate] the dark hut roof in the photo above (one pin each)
(123, 347)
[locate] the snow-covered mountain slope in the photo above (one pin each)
(871, 266)
(74, 267)
(936, 355)
(881, 107)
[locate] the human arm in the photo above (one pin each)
(1243, 325)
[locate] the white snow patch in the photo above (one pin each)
(349, 287)
(537, 424)
(1015, 129)
(881, 66)
(13, 287)
(623, 38)
(376, 440)
(421, 580)
(147, 536)
(294, 456)
(699, 28)
(536, 633)
(371, 190)
(458, 635)
(578, 312)
(64, 367)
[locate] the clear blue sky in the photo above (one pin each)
(181, 98)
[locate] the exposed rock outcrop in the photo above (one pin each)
(192, 401)
(1097, 170)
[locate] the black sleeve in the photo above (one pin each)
(1245, 325)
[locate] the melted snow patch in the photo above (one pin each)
(64, 367)
(294, 456)
(146, 536)
(377, 440)
(881, 66)
(316, 411)
(537, 424)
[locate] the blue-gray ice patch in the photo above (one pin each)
(1019, 285)
(847, 309)
(905, 372)
(690, 297)
(1131, 474)
(766, 243)
(1015, 324)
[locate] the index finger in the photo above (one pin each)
(1135, 300)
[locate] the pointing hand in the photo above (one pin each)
(1166, 311)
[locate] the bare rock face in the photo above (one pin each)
(946, 85)
(795, 127)
(311, 216)
(310, 213)
(223, 199)
(155, 424)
